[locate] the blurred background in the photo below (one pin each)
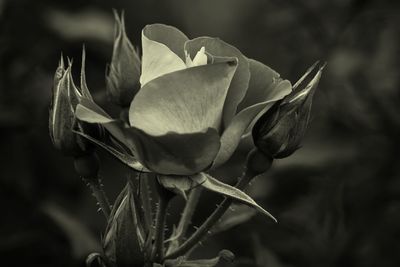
(337, 199)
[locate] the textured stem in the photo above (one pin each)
(100, 195)
(158, 247)
(188, 211)
(145, 200)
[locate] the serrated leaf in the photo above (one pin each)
(212, 184)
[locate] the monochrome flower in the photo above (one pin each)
(197, 98)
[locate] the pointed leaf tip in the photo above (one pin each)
(212, 184)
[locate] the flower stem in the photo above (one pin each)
(185, 219)
(158, 248)
(204, 229)
(146, 201)
(100, 195)
(188, 211)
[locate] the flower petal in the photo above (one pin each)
(175, 154)
(239, 84)
(170, 36)
(200, 58)
(162, 51)
(242, 121)
(262, 81)
(186, 101)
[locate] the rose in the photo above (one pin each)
(197, 99)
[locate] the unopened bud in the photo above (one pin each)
(124, 71)
(63, 123)
(280, 131)
(124, 239)
(62, 119)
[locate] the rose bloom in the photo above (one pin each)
(197, 99)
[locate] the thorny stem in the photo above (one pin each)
(185, 219)
(205, 228)
(188, 211)
(158, 247)
(98, 192)
(145, 199)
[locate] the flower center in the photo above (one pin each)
(199, 60)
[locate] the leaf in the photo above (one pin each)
(126, 159)
(90, 112)
(237, 214)
(214, 185)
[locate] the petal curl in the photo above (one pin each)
(175, 154)
(162, 51)
(185, 101)
(240, 81)
(170, 36)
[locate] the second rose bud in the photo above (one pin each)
(123, 73)
(279, 132)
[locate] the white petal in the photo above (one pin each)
(158, 60)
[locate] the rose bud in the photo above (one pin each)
(279, 132)
(62, 119)
(123, 73)
(63, 123)
(124, 239)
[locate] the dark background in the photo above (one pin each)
(337, 198)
